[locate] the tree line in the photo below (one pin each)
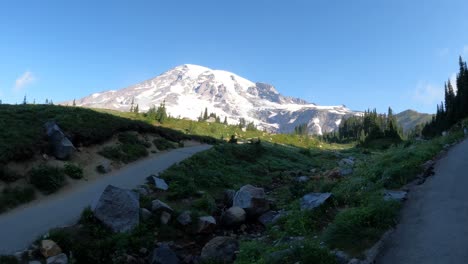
(455, 106)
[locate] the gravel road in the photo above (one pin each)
(21, 226)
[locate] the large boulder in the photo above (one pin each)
(220, 249)
(119, 209)
(49, 248)
(164, 255)
(313, 200)
(62, 147)
(233, 216)
(252, 200)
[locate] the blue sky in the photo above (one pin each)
(359, 53)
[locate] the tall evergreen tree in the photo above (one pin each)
(205, 115)
(24, 100)
(74, 103)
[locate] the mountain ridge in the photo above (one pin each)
(188, 89)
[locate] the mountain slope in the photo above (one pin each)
(409, 119)
(188, 89)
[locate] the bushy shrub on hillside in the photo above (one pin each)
(163, 144)
(47, 179)
(12, 197)
(74, 171)
(8, 175)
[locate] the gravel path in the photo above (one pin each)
(21, 226)
(434, 221)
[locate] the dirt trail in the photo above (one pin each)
(19, 227)
(434, 220)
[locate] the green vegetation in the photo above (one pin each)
(130, 148)
(8, 175)
(454, 108)
(163, 144)
(410, 120)
(73, 171)
(22, 127)
(11, 197)
(46, 178)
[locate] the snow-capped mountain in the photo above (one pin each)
(188, 89)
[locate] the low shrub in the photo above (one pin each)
(12, 197)
(47, 179)
(9, 260)
(74, 171)
(163, 144)
(8, 175)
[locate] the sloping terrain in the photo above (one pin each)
(409, 119)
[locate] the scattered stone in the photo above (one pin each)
(104, 167)
(271, 217)
(206, 224)
(234, 216)
(302, 179)
(220, 249)
(428, 165)
(164, 255)
(119, 209)
(313, 200)
(165, 217)
(252, 200)
(341, 256)
(346, 172)
(158, 206)
(395, 195)
(49, 248)
(185, 218)
(159, 183)
(58, 259)
(333, 174)
(142, 191)
(229, 197)
(346, 162)
(62, 147)
(313, 170)
(145, 214)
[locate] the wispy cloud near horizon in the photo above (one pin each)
(428, 94)
(24, 80)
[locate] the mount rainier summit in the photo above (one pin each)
(188, 89)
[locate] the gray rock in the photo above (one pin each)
(164, 218)
(59, 259)
(62, 147)
(394, 195)
(105, 167)
(313, 200)
(220, 249)
(142, 191)
(346, 172)
(234, 216)
(145, 214)
(252, 200)
(159, 183)
(158, 206)
(341, 257)
(271, 217)
(164, 255)
(302, 179)
(185, 218)
(119, 209)
(206, 224)
(229, 197)
(348, 162)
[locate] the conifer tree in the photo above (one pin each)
(205, 115)
(24, 100)
(225, 120)
(74, 103)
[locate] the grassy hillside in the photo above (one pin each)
(409, 119)
(23, 135)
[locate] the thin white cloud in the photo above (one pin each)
(428, 94)
(24, 80)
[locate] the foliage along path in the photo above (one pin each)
(19, 227)
(434, 221)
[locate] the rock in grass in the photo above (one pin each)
(49, 248)
(220, 249)
(206, 224)
(252, 200)
(346, 162)
(394, 195)
(158, 206)
(119, 209)
(271, 217)
(145, 214)
(164, 255)
(164, 218)
(302, 179)
(229, 197)
(234, 216)
(62, 147)
(59, 259)
(159, 183)
(185, 218)
(346, 172)
(313, 200)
